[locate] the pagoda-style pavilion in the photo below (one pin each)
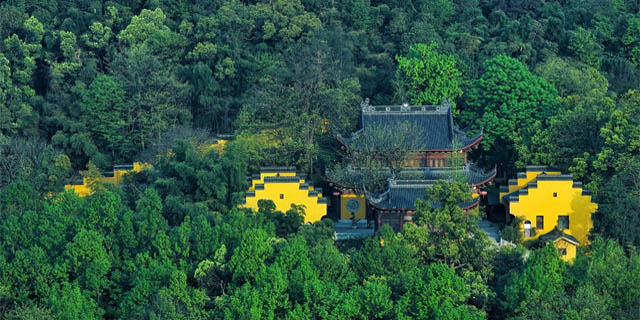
(440, 141)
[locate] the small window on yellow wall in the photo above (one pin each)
(562, 251)
(282, 196)
(540, 223)
(555, 194)
(563, 222)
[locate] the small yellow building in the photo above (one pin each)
(546, 200)
(284, 187)
(114, 177)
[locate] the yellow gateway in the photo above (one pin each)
(551, 206)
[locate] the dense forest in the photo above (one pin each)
(85, 85)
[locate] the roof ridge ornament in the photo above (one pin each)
(446, 105)
(366, 107)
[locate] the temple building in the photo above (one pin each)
(285, 187)
(551, 206)
(441, 153)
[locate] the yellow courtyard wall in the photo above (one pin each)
(569, 201)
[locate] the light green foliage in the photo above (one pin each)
(429, 75)
(444, 233)
(585, 47)
(621, 135)
(247, 262)
(143, 26)
(98, 35)
(538, 291)
(435, 292)
(88, 261)
(68, 303)
(573, 79)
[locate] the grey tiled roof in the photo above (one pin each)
(402, 194)
(469, 173)
(556, 233)
(435, 123)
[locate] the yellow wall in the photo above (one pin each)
(345, 213)
(84, 189)
(571, 249)
(219, 145)
(292, 193)
(271, 174)
(531, 174)
(569, 201)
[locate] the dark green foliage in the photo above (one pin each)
(506, 102)
(90, 84)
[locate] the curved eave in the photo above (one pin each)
(473, 142)
(492, 176)
(339, 138)
(470, 206)
(470, 144)
(337, 185)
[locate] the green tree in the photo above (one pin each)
(443, 231)
(617, 210)
(538, 291)
(247, 261)
(435, 292)
(506, 102)
(68, 302)
(427, 76)
(103, 106)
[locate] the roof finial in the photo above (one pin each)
(365, 105)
